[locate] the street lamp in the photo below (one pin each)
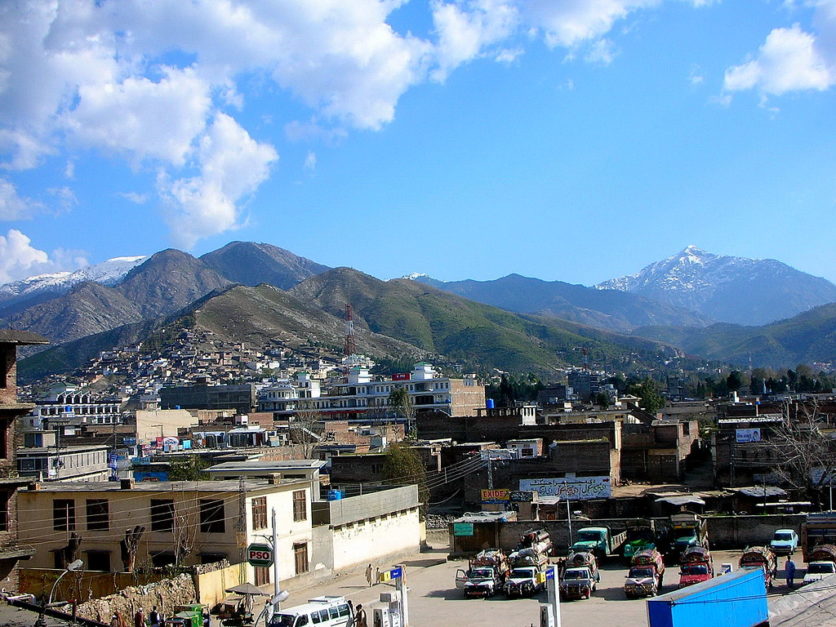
(72, 566)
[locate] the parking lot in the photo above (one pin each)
(434, 600)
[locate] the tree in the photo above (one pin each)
(602, 399)
(400, 400)
(734, 381)
(403, 466)
(190, 469)
(305, 429)
(651, 399)
(805, 455)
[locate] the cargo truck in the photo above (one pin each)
(696, 566)
(737, 599)
(599, 540)
(818, 529)
(822, 563)
(761, 557)
(687, 530)
(645, 576)
(485, 575)
(528, 563)
(641, 535)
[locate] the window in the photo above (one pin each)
(63, 515)
(4, 511)
(97, 514)
(211, 516)
(300, 555)
(260, 512)
(98, 560)
(262, 575)
(162, 558)
(300, 506)
(162, 515)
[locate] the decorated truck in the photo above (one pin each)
(641, 535)
(485, 575)
(580, 575)
(818, 529)
(647, 570)
(602, 541)
(528, 561)
(695, 566)
(822, 563)
(687, 530)
(760, 557)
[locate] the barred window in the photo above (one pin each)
(300, 506)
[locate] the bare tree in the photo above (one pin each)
(130, 545)
(184, 537)
(305, 429)
(805, 455)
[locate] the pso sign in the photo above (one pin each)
(260, 555)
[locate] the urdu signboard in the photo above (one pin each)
(570, 488)
(743, 436)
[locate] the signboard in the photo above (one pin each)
(522, 496)
(396, 572)
(496, 496)
(570, 488)
(462, 529)
(260, 555)
(401, 376)
(743, 436)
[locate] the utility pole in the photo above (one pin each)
(276, 586)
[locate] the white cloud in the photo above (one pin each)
(695, 76)
(508, 55)
(134, 197)
(142, 118)
(232, 165)
(787, 61)
(65, 196)
(571, 22)
(12, 205)
(18, 257)
(310, 161)
(601, 52)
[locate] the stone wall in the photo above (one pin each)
(165, 594)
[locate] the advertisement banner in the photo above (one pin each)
(462, 529)
(496, 496)
(571, 488)
(748, 435)
(520, 496)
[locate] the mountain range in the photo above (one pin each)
(248, 291)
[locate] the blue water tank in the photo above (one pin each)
(335, 495)
(489, 403)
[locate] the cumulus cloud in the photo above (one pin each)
(12, 205)
(18, 257)
(602, 52)
(231, 166)
(787, 61)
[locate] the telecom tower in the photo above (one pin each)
(350, 346)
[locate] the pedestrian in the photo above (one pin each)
(369, 572)
(154, 617)
(789, 568)
(114, 622)
(360, 617)
(377, 574)
(139, 618)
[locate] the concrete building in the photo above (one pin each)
(359, 395)
(45, 460)
(241, 398)
(11, 410)
(203, 521)
(65, 407)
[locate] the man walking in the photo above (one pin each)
(789, 569)
(369, 572)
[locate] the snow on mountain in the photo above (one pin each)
(728, 289)
(108, 272)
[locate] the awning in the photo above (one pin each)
(689, 499)
(17, 552)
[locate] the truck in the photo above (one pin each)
(760, 557)
(647, 570)
(687, 530)
(695, 567)
(485, 575)
(822, 563)
(528, 563)
(580, 576)
(599, 540)
(641, 534)
(818, 529)
(733, 600)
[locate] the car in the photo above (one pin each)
(784, 542)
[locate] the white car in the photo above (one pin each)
(819, 570)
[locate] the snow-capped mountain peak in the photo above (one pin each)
(108, 272)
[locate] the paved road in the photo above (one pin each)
(434, 600)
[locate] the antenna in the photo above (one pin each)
(350, 346)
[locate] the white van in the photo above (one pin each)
(327, 611)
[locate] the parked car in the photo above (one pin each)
(784, 542)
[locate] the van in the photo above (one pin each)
(326, 611)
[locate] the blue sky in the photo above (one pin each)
(576, 140)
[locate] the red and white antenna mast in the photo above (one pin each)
(350, 346)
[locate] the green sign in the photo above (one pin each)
(260, 555)
(462, 529)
